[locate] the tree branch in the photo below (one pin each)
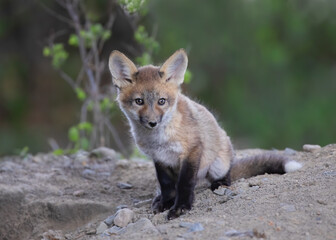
(81, 46)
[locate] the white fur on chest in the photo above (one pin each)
(157, 145)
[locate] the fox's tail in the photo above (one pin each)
(261, 164)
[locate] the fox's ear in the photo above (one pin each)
(175, 67)
(122, 69)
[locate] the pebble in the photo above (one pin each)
(109, 220)
(123, 185)
(104, 152)
(143, 225)
(221, 191)
(123, 163)
(78, 193)
(192, 227)
(88, 173)
(123, 217)
(311, 148)
(101, 228)
(121, 207)
(90, 231)
(159, 218)
(53, 235)
(290, 151)
(322, 202)
(235, 233)
(288, 208)
(142, 203)
(112, 231)
(254, 188)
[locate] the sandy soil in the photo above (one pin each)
(68, 197)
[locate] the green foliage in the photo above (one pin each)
(106, 104)
(94, 33)
(133, 5)
(187, 76)
(81, 95)
(74, 134)
(58, 152)
(24, 152)
(58, 54)
(78, 136)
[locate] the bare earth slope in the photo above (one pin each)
(60, 197)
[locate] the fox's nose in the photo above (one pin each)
(152, 124)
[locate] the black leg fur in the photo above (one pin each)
(167, 182)
(185, 189)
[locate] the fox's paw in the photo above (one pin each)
(158, 205)
(177, 211)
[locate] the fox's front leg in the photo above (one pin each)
(185, 188)
(166, 199)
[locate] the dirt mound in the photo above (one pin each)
(60, 197)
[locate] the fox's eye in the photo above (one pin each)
(139, 101)
(161, 101)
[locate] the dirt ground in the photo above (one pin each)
(67, 197)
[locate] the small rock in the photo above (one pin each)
(251, 233)
(112, 231)
(311, 148)
(220, 191)
(88, 173)
(101, 228)
(78, 193)
(159, 218)
(81, 156)
(254, 188)
(143, 225)
(288, 208)
(290, 151)
(109, 220)
(90, 231)
(53, 235)
(235, 233)
(123, 163)
(123, 185)
(142, 203)
(123, 217)
(121, 207)
(104, 174)
(104, 152)
(192, 227)
(69, 236)
(322, 202)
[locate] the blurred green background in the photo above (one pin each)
(267, 69)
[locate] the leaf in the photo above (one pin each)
(81, 95)
(97, 29)
(106, 35)
(46, 51)
(187, 77)
(24, 151)
(85, 126)
(84, 143)
(58, 152)
(73, 134)
(73, 40)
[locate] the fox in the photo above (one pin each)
(182, 137)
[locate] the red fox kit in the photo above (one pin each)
(181, 136)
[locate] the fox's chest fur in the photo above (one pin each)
(157, 144)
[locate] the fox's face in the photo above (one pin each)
(148, 95)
